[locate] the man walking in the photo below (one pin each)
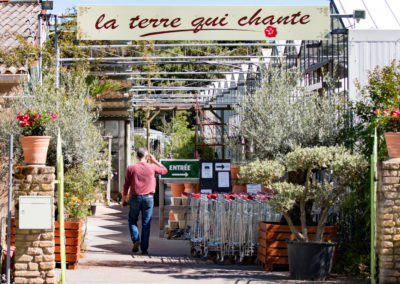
(139, 188)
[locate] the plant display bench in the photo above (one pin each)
(73, 235)
(272, 248)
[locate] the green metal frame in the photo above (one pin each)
(374, 179)
(60, 178)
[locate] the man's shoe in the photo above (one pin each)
(145, 252)
(136, 246)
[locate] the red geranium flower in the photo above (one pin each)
(270, 31)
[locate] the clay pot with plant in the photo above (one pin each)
(389, 121)
(33, 140)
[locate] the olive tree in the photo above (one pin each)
(284, 114)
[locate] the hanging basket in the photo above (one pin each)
(35, 149)
(393, 144)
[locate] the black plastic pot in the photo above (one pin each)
(93, 209)
(310, 260)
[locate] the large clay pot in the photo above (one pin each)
(235, 169)
(393, 144)
(35, 149)
(188, 187)
(196, 188)
(177, 189)
(239, 188)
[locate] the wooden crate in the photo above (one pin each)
(73, 235)
(272, 247)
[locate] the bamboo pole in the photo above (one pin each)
(60, 178)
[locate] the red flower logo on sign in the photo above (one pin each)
(270, 31)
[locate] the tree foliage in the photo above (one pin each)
(339, 168)
(282, 115)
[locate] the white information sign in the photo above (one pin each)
(206, 170)
(222, 167)
(151, 22)
(205, 191)
(223, 179)
(253, 188)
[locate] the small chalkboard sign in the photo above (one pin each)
(215, 175)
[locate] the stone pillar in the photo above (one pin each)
(388, 221)
(34, 254)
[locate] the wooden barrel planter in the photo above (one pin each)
(272, 248)
(73, 236)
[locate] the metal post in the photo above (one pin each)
(57, 52)
(223, 133)
(109, 170)
(161, 196)
(374, 157)
(40, 48)
(60, 178)
(9, 208)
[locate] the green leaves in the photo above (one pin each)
(338, 169)
(282, 115)
(285, 196)
(261, 172)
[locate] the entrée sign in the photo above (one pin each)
(129, 22)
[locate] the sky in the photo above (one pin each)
(61, 6)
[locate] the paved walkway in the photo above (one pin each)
(109, 258)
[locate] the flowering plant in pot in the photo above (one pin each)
(338, 169)
(34, 142)
(389, 121)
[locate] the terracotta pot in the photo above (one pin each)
(188, 187)
(393, 144)
(235, 169)
(177, 189)
(264, 189)
(35, 149)
(196, 188)
(239, 188)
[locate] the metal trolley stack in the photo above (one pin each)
(224, 227)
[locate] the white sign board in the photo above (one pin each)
(253, 188)
(222, 167)
(206, 170)
(139, 22)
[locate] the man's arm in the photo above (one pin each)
(161, 169)
(127, 184)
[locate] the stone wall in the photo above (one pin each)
(388, 222)
(34, 255)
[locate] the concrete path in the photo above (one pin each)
(109, 259)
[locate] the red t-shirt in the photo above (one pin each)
(140, 177)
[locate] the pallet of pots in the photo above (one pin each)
(73, 235)
(272, 252)
(177, 218)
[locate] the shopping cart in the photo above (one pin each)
(224, 227)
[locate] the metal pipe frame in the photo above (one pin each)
(186, 45)
(117, 63)
(172, 96)
(168, 73)
(181, 79)
(137, 89)
(69, 59)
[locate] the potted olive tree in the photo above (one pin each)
(338, 170)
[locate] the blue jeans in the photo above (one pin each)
(137, 204)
